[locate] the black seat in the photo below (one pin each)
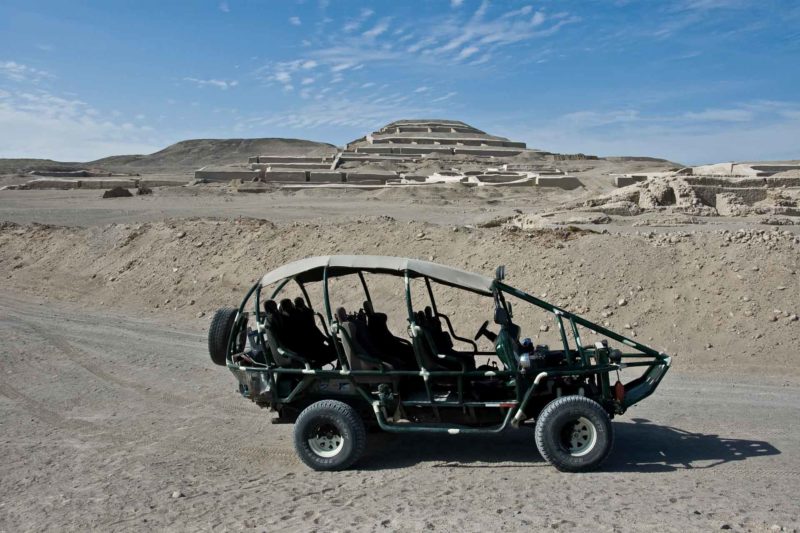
(358, 348)
(440, 342)
(425, 347)
(398, 352)
(291, 333)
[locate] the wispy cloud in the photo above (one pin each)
(456, 3)
(283, 72)
(18, 72)
(37, 123)
(760, 129)
(219, 84)
(355, 23)
(224, 7)
(444, 97)
(341, 112)
(295, 21)
(467, 52)
(378, 29)
(720, 115)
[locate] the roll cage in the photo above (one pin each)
(582, 364)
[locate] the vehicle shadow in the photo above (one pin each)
(640, 446)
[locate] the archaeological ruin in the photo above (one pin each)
(407, 152)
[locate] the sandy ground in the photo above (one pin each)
(110, 403)
(105, 416)
(451, 204)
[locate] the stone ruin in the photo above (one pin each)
(776, 194)
(407, 153)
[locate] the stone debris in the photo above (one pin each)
(699, 196)
(117, 192)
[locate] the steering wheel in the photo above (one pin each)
(482, 330)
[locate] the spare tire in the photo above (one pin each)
(219, 333)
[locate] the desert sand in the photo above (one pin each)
(114, 418)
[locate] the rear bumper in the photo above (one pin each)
(253, 384)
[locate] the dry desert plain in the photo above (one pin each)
(112, 416)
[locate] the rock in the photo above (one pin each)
(117, 192)
(201, 314)
(420, 235)
(544, 327)
(792, 318)
(198, 244)
(191, 302)
(622, 302)
(181, 234)
(627, 326)
(725, 526)
(773, 318)
(177, 494)
(142, 190)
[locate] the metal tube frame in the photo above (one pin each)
(524, 385)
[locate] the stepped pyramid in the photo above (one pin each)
(402, 152)
(426, 136)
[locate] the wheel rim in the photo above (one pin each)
(326, 441)
(579, 437)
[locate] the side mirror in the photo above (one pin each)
(500, 273)
(501, 316)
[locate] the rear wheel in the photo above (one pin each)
(329, 435)
(219, 333)
(574, 434)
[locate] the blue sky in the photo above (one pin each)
(690, 80)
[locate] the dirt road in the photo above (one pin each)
(104, 418)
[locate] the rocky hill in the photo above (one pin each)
(183, 156)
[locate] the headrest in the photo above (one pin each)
(428, 312)
(300, 303)
(270, 307)
(420, 317)
(286, 306)
(341, 315)
(368, 307)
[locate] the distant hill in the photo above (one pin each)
(184, 156)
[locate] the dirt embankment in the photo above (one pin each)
(712, 298)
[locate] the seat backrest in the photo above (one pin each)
(273, 324)
(423, 345)
(356, 342)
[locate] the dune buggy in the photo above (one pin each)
(334, 375)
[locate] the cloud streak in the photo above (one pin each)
(219, 84)
(17, 72)
(36, 123)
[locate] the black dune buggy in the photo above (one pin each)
(336, 374)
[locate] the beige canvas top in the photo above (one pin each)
(311, 269)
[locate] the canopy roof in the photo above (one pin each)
(312, 268)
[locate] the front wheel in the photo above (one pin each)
(329, 435)
(574, 434)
